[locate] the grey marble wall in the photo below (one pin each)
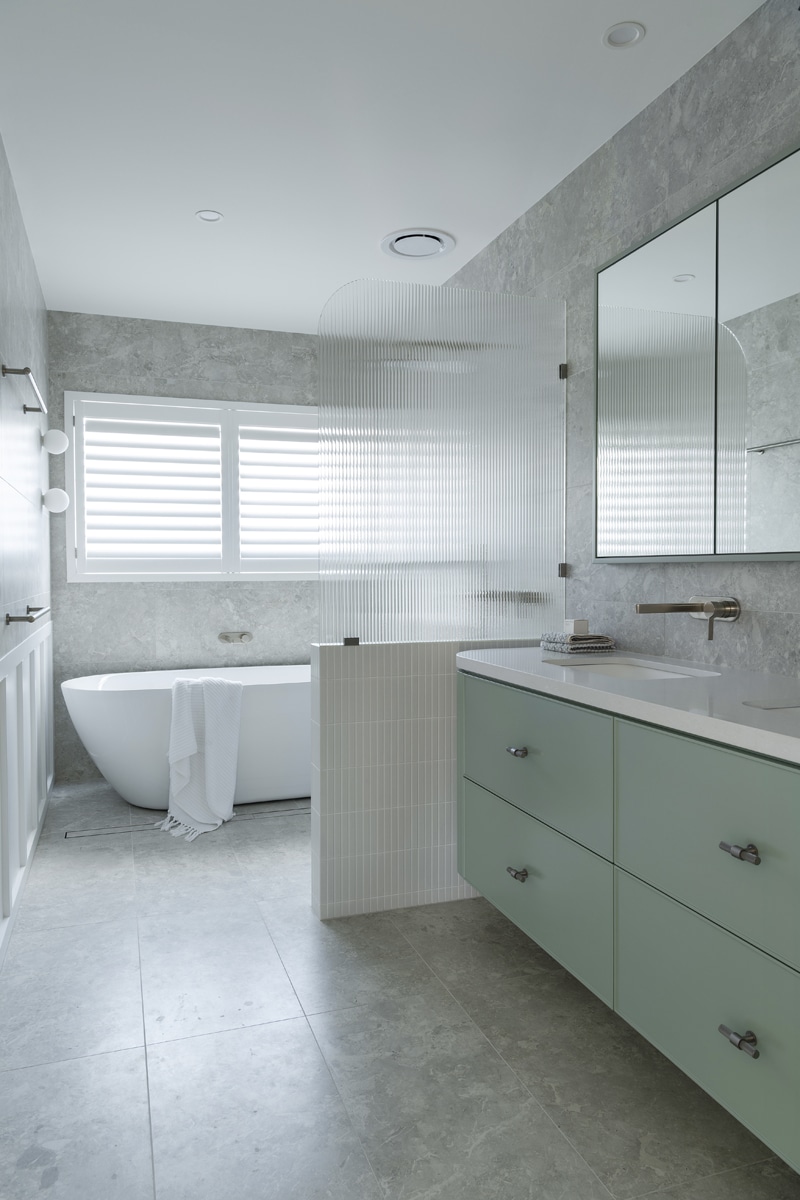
(24, 560)
(149, 626)
(736, 110)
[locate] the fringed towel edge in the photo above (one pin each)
(179, 828)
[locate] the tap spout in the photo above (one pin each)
(727, 609)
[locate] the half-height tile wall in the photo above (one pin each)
(383, 804)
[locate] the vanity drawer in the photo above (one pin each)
(566, 777)
(679, 977)
(566, 902)
(677, 799)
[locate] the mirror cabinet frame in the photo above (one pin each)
(746, 556)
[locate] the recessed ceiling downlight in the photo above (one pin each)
(417, 243)
(623, 35)
(209, 215)
(683, 278)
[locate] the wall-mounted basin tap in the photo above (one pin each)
(701, 607)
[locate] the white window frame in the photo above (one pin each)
(231, 416)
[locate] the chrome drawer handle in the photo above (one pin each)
(517, 751)
(520, 876)
(748, 853)
(746, 1041)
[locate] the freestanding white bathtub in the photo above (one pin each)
(123, 721)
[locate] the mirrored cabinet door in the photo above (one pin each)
(655, 395)
(759, 371)
(698, 372)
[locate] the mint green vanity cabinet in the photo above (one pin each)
(565, 777)
(677, 799)
(679, 977)
(562, 895)
(678, 935)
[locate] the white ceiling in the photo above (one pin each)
(315, 126)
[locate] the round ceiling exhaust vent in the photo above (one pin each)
(623, 35)
(417, 243)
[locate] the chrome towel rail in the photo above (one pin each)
(33, 615)
(772, 446)
(27, 371)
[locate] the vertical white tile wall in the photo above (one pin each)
(383, 805)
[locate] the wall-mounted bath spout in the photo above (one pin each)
(707, 610)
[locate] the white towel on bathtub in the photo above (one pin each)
(203, 755)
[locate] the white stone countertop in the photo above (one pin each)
(706, 705)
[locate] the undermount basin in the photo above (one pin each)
(628, 668)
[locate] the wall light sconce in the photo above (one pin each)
(55, 500)
(55, 442)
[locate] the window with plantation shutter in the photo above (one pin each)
(189, 489)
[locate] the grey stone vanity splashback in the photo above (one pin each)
(101, 627)
(730, 115)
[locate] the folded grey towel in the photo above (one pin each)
(563, 648)
(570, 639)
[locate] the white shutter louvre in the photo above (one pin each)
(279, 492)
(152, 491)
(192, 489)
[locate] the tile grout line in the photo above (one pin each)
(305, 1017)
(702, 1178)
(504, 1060)
(144, 1031)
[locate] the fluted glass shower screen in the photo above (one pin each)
(442, 464)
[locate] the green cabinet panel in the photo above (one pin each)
(679, 977)
(566, 778)
(566, 902)
(677, 799)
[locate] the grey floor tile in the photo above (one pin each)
(78, 881)
(253, 1114)
(173, 875)
(65, 993)
(84, 806)
(274, 853)
(344, 962)
(472, 947)
(437, 1110)
(639, 1122)
(77, 1130)
(772, 1180)
(207, 971)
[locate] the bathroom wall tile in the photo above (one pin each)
(728, 116)
(277, 1118)
(581, 430)
(24, 527)
(77, 1129)
(155, 626)
(90, 1004)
